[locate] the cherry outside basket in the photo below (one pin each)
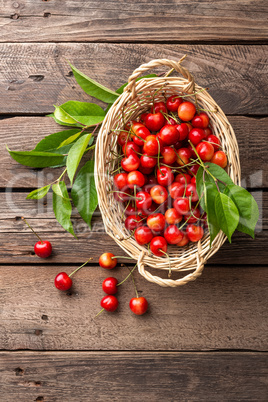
(136, 99)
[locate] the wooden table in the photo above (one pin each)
(204, 341)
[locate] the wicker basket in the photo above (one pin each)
(136, 98)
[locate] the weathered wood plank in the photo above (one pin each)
(23, 133)
(34, 77)
(131, 21)
(226, 308)
(135, 376)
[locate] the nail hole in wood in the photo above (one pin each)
(44, 317)
(40, 398)
(15, 16)
(19, 371)
(38, 332)
(46, 15)
(70, 74)
(36, 77)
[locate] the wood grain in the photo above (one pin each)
(23, 133)
(131, 21)
(99, 377)
(226, 308)
(34, 77)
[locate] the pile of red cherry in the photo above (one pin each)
(156, 179)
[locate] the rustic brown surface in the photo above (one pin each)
(130, 21)
(132, 376)
(23, 133)
(36, 76)
(224, 309)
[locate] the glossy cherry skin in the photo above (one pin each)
(169, 155)
(214, 141)
(148, 161)
(135, 178)
(201, 120)
(63, 281)
(173, 235)
(220, 159)
(176, 190)
(43, 249)
(122, 138)
(156, 222)
(107, 261)
(183, 178)
(169, 134)
(159, 194)
(183, 131)
(143, 235)
(184, 155)
(142, 118)
(143, 200)
(186, 111)
(132, 222)
(193, 169)
(183, 241)
(120, 180)
(131, 148)
(138, 305)
(191, 192)
(159, 107)
(158, 245)
(192, 216)
(130, 163)
(208, 131)
(182, 205)
(173, 102)
(164, 176)
(196, 135)
(109, 303)
(154, 121)
(194, 233)
(193, 180)
(140, 134)
(172, 216)
(151, 146)
(205, 150)
(109, 285)
(145, 170)
(130, 210)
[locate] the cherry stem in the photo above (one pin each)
(99, 312)
(81, 266)
(121, 256)
(158, 157)
(32, 230)
(137, 294)
(127, 276)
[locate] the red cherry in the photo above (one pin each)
(182, 205)
(164, 176)
(143, 235)
(109, 285)
(196, 135)
(201, 120)
(159, 107)
(193, 180)
(142, 118)
(191, 192)
(107, 261)
(148, 161)
(122, 138)
(130, 163)
(122, 196)
(171, 121)
(143, 200)
(169, 134)
(132, 222)
(131, 148)
(135, 178)
(173, 102)
(208, 131)
(183, 178)
(194, 233)
(146, 170)
(193, 169)
(183, 130)
(186, 111)
(129, 124)
(172, 216)
(169, 155)
(138, 305)
(184, 155)
(156, 222)
(183, 241)
(205, 150)
(109, 303)
(130, 210)
(151, 145)
(159, 194)
(63, 281)
(214, 141)
(43, 249)
(139, 133)
(192, 216)
(120, 180)
(158, 245)
(220, 159)
(173, 235)
(154, 121)
(152, 179)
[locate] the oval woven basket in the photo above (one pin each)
(137, 98)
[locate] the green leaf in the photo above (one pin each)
(247, 208)
(75, 155)
(93, 88)
(64, 123)
(84, 194)
(62, 209)
(227, 214)
(37, 159)
(84, 113)
(57, 189)
(210, 193)
(219, 173)
(54, 141)
(38, 193)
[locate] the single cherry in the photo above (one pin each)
(194, 233)
(109, 303)
(158, 246)
(42, 248)
(159, 194)
(201, 120)
(159, 107)
(130, 163)
(196, 135)
(120, 181)
(143, 235)
(214, 141)
(107, 261)
(184, 155)
(109, 285)
(151, 146)
(220, 159)
(172, 216)
(173, 235)
(135, 178)
(169, 134)
(182, 205)
(164, 176)
(186, 111)
(191, 192)
(205, 150)
(132, 222)
(183, 130)
(154, 121)
(156, 222)
(138, 305)
(173, 102)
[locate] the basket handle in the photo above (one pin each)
(170, 282)
(131, 87)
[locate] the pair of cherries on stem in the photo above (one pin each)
(42, 248)
(138, 305)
